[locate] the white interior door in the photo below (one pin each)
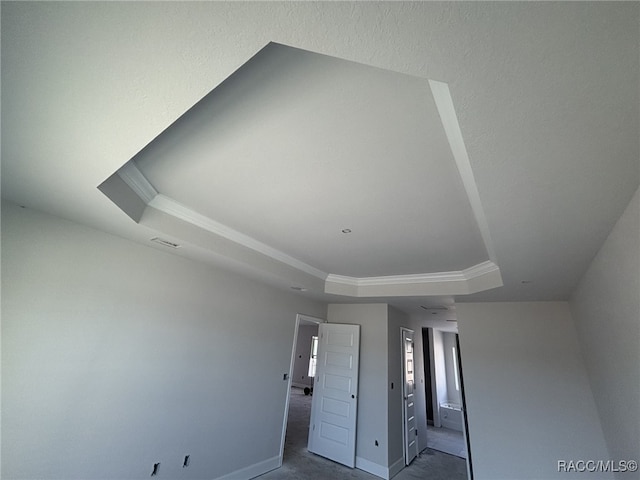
(332, 431)
(409, 410)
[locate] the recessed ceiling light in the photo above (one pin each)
(346, 230)
(299, 289)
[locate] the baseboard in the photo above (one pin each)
(254, 470)
(372, 468)
(396, 467)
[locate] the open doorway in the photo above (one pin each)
(444, 393)
(295, 429)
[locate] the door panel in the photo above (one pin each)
(332, 433)
(409, 410)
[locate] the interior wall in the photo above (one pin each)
(302, 356)
(116, 356)
(528, 398)
(606, 312)
(372, 420)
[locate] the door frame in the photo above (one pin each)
(299, 317)
(338, 359)
(465, 422)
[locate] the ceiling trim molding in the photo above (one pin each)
(171, 207)
(446, 109)
(479, 277)
(134, 178)
(456, 276)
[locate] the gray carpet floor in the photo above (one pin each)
(299, 464)
(446, 440)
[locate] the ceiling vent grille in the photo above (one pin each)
(164, 242)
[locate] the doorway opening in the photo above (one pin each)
(297, 411)
(444, 393)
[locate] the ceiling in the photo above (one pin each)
(311, 118)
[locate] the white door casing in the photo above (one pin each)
(332, 431)
(408, 392)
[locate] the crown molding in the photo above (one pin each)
(171, 207)
(135, 179)
(476, 278)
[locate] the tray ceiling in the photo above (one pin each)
(343, 171)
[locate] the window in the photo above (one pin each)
(455, 367)
(313, 357)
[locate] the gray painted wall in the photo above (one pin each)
(379, 406)
(116, 356)
(372, 382)
(528, 397)
(303, 352)
(606, 311)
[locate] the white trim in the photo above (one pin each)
(372, 468)
(396, 467)
(479, 277)
(470, 280)
(309, 318)
(135, 179)
(444, 104)
(171, 207)
(479, 270)
(254, 470)
(436, 277)
(378, 470)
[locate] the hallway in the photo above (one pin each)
(299, 463)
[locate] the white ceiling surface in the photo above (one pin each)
(547, 98)
(295, 147)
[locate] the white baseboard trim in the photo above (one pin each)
(372, 468)
(254, 470)
(396, 467)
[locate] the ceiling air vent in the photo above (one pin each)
(435, 308)
(166, 243)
